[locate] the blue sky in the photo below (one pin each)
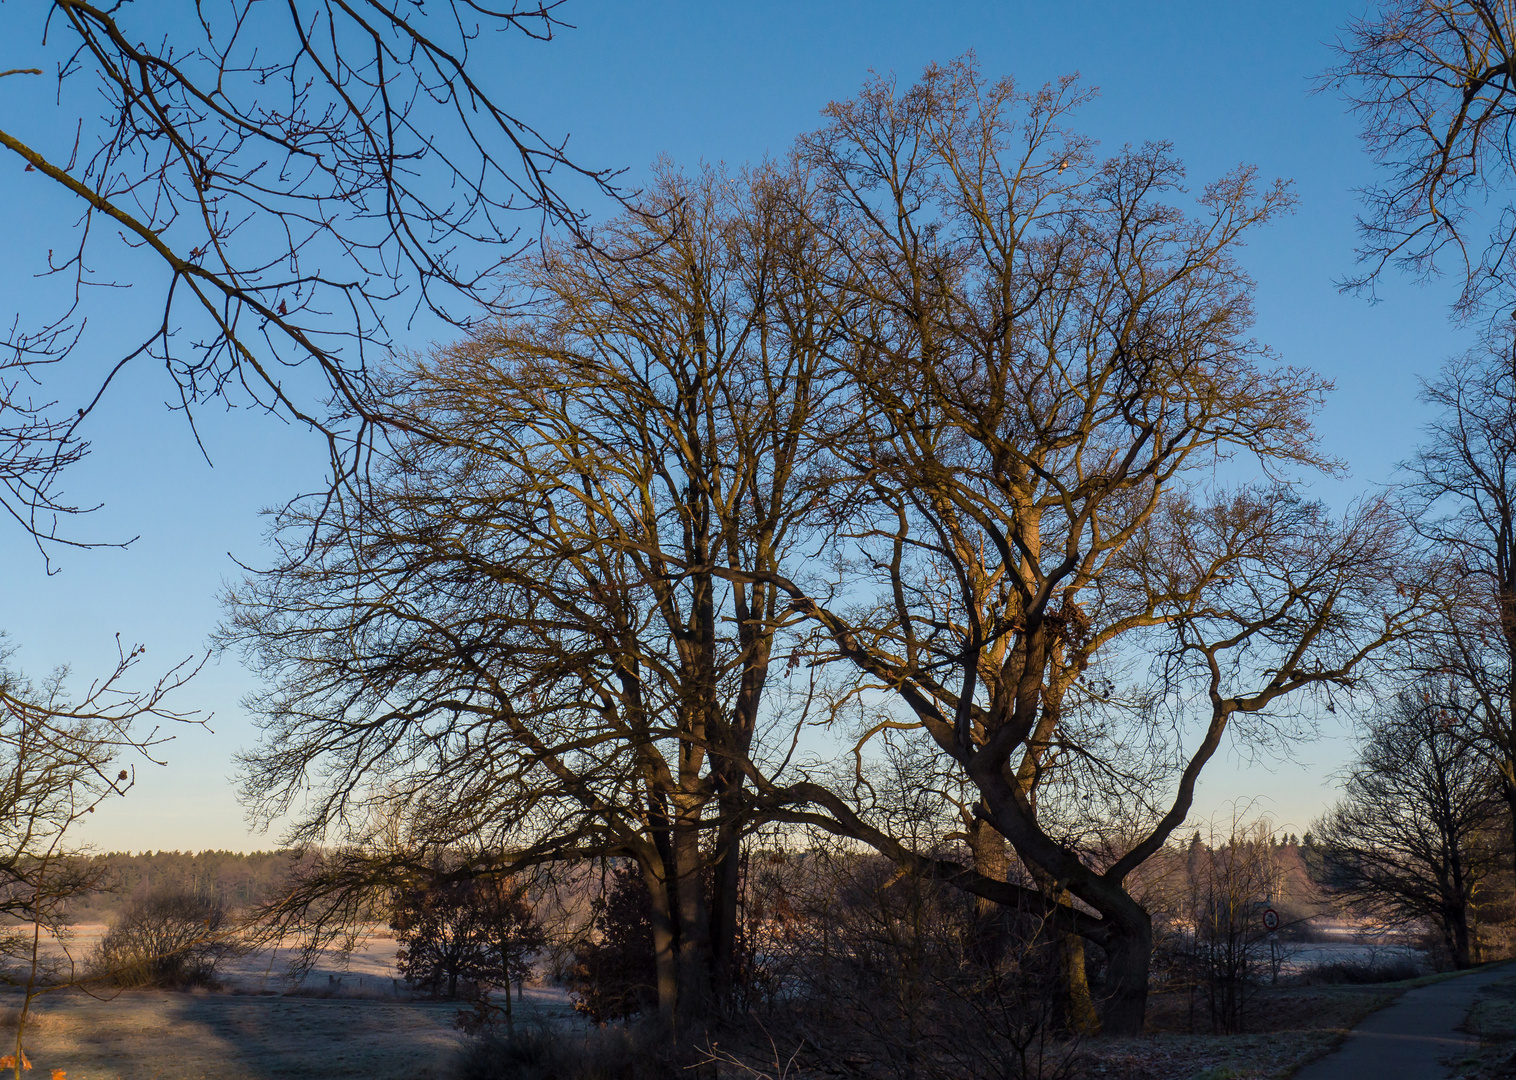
(1226, 83)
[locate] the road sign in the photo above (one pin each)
(1270, 919)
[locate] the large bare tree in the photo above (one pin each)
(941, 406)
(519, 639)
(1051, 361)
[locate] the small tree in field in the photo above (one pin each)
(442, 939)
(475, 931)
(60, 760)
(512, 936)
(172, 939)
(1213, 899)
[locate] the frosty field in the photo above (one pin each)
(254, 1030)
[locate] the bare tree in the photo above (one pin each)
(1403, 839)
(170, 939)
(1462, 494)
(288, 181)
(520, 639)
(988, 379)
(1434, 84)
(1049, 360)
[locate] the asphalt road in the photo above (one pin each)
(1412, 1038)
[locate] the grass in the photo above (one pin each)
(167, 1036)
(1493, 1019)
(163, 1035)
(1289, 1026)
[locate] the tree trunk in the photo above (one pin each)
(1508, 792)
(1457, 935)
(693, 921)
(993, 924)
(991, 932)
(665, 963)
(1082, 1016)
(1128, 951)
(1505, 599)
(725, 886)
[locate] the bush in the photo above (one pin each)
(614, 976)
(167, 940)
(888, 974)
(539, 1052)
(1360, 972)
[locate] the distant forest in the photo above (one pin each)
(237, 879)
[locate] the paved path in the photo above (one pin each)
(1409, 1039)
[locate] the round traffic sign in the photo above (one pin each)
(1270, 919)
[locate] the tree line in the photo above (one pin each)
(235, 880)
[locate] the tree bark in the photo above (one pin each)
(1457, 935)
(725, 885)
(665, 963)
(1082, 1016)
(1128, 951)
(991, 931)
(694, 926)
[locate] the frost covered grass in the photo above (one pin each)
(344, 1021)
(1289, 1027)
(168, 1035)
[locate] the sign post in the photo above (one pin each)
(1271, 924)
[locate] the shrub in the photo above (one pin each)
(173, 939)
(1360, 972)
(614, 975)
(539, 1052)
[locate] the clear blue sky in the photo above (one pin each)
(1224, 82)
